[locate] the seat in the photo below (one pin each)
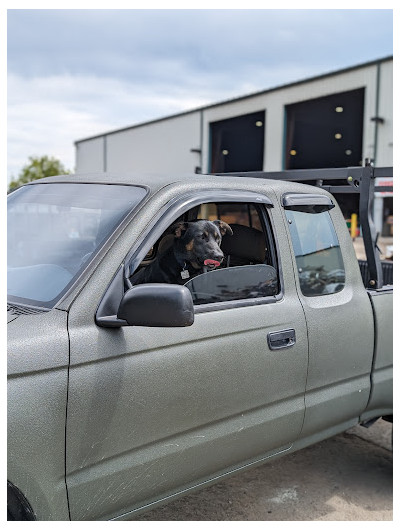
(246, 246)
(165, 243)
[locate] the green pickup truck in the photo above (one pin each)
(125, 395)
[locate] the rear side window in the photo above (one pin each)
(238, 213)
(318, 256)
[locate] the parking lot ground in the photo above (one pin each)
(346, 478)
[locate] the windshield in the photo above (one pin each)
(53, 232)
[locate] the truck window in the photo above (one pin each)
(318, 256)
(248, 269)
(54, 230)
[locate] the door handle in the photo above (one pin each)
(281, 339)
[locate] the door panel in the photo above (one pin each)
(153, 411)
(339, 317)
(338, 383)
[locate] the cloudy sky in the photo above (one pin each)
(77, 73)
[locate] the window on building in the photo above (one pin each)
(325, 132)
(237, 144)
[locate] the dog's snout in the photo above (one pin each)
(218, 256)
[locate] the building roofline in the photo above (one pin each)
(239, 98)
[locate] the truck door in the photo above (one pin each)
(338, 313)
(157, 411)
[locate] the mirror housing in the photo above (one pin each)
(168, 305)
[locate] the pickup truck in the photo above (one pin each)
(123, 397)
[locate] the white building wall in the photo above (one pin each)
(157, 147)
(385, 130)
(90, 155)
(166, 145)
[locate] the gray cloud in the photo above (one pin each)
(147, 46)
(77, 73)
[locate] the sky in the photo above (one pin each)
(75, 73)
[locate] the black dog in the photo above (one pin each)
(196, 248)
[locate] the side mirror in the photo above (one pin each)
(157, 305)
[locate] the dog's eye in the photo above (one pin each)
(204, 236)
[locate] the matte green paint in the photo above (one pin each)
(155, 413)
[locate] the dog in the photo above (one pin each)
(196, 249)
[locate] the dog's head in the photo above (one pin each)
(198, 242)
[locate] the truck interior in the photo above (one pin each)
(250, 244)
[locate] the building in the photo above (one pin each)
(333, 120)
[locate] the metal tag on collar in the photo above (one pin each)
(185, 273)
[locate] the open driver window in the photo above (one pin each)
(248, 265)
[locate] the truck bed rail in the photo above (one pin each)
(387, 272)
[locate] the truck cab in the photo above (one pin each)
(136, 394)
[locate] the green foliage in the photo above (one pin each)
(37, 168)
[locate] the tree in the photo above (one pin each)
(37, 168)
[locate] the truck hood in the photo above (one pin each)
(11, 316)
(36, 341)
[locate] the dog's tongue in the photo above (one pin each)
(214, 263)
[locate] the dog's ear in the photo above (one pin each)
(179, 229)
(223, 227)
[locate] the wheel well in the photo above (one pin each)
(18, 507)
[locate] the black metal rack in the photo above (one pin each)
(357, 179)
